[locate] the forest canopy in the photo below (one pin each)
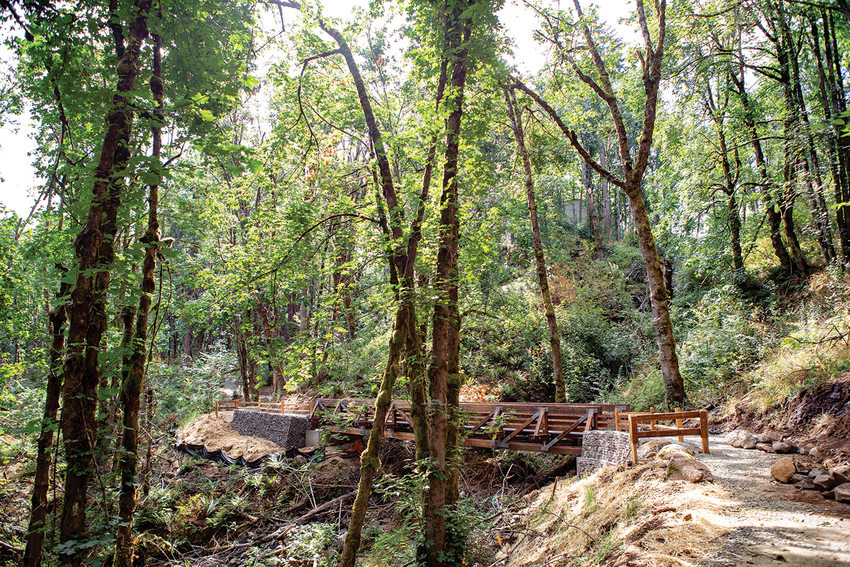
(262, 200)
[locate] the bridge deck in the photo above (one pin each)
(546, 427)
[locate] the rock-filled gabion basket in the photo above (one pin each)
(286, 430)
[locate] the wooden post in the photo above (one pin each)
(616, 419)
(236, 403)
(703, 430)
(679, 425)
(652, 423)
(282, 410)
(633, 437)
(216, 408)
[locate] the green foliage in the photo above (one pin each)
(722, 343)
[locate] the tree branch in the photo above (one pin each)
(569, 133)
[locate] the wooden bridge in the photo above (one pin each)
(545, 427)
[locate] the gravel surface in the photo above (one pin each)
(771, 523)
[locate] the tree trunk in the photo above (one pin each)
(774, 217)
(131, 387)
(542, 273)
(634, 168)
(41, 480)
(730, 189)
(838, 148)
(607, 223)
(592, 216)
(278, 378)
(444, 372)
(94, 254)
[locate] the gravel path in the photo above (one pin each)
(771, 523)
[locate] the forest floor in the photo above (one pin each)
(771, 523)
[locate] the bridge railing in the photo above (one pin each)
(555, 428)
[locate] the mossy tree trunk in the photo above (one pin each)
(94, 252)
(515, 117)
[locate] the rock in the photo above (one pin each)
(650, 449)
(783, 470)
(668, 451)
(803, 467)
(842, 492)
(769, 437)
(684, 467)
(799, 478)
(827, 481)
(742, 439)
(815, 453)
(816, 472)
(843, 469)
(766, 447)
(829, 495)
(783, 447)
(805, 484)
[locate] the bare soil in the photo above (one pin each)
(818, 415)
(216, 433)
(770, 523)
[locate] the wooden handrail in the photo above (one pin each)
(635, 434)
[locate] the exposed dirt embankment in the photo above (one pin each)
(818, 417)
(216, 433)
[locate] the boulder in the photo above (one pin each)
(784, 447)
(742, 439)
(684, 467)
(783, 470)
(766, 447)
(769, 437)
(816, 472)
(669, 451)
(842, 492)
(798, 477)
(805, 448)
(816, 454)
(827, 481)
(650, 449)
(805, 484)
(829, 495)
(803, 466)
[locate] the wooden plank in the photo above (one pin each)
(666, 416)
(564, 433)
(679, 424)
(668, 432)
(703, 426)
(542, 427)
(503, 442)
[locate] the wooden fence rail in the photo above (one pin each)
(636, 433)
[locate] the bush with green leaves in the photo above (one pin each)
(189, 390)
(721, 344)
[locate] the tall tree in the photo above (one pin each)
(633, 166)
(515, 117)
(94, 252)
(131, 387)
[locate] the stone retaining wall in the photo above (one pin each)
(602, 448)
(286, 430)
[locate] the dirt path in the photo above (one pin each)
(771, 523)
